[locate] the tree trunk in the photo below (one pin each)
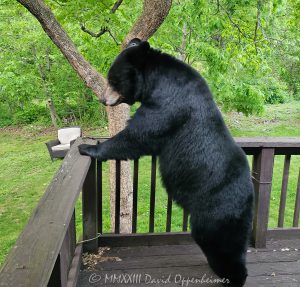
(182, 53)
(257, 24)
(53, 114)
(43, 70)
(117, 118)
(153, 15)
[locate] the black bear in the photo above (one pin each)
(201, 166)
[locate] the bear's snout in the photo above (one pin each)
(110, 97)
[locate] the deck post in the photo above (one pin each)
(90, 210)
(262, 172)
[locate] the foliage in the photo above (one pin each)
(247, 50)
(30, 114)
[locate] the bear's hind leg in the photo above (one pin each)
(225, 254)
(228, 267)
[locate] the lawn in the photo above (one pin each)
(26, 170)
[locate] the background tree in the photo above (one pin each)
(154, 13)
(248, 58)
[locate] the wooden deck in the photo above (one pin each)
(47, 253)
(276, 265)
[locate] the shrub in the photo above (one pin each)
(276, 93)
(248, 100)
(30, 113)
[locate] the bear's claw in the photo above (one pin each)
(86, 149)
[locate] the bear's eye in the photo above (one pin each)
(132, 45)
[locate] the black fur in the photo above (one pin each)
(201, 166)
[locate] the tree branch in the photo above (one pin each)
(39, 66)
(103, 30)
(218, 7)
(257, 24)
(59, 3)
(153, 15)
(100, 33)
(44, 15)
(232, 22)
(93, 34)
(116, 6)
(113, 37)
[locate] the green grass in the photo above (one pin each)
(26, 171)
(277, 120)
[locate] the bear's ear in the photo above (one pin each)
(136, 52)
(137, 42)
(133, 42)
(145, 46)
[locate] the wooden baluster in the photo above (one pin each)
(152, 194)
(297, 204)
(185, 221)
(285, 178)
(262, 173)
(118, 196)
(99, 195)
(135, 194)
(169, 214)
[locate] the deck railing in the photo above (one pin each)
(263, 152)
(46, 253)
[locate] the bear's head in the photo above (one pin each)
(125, 76)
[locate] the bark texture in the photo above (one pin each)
(117, 118)
(153, 15)
(53, 114)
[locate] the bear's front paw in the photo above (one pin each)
(86, 149)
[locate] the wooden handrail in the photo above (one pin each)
(33, 257)
(281, 145)
(268, 142)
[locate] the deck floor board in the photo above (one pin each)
(276, 265)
